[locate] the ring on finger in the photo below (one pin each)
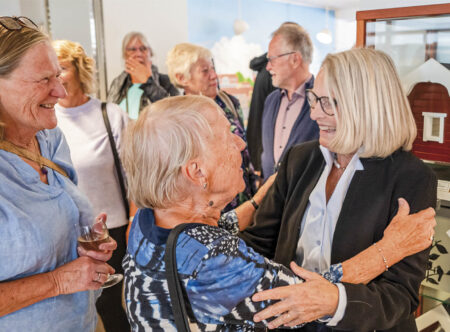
(98, 277)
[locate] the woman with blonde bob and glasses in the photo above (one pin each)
(335, 197)
(191, 185)
(140, 84)
(47, 282)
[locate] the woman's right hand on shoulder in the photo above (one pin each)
(408, 234)
(83, 273)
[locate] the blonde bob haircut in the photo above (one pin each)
(372, 111)
(165, 137)
(181, 58)
(69, 51)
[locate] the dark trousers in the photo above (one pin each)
(109, 304)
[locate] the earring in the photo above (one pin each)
(210, 203)
(204, 185)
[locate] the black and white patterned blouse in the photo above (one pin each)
(219, 271)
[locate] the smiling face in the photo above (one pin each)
(28, 95)
(138, 51)
(327, 123)
(280, 68)
(69, 77)
(224, 159)
(203, 80)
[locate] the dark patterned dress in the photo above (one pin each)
(220, 274)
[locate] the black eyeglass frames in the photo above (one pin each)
(271, 58)
(324, 101)
(17, 23)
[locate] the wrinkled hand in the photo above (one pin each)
(140, 72)
(409, 234)
(300, 303)
(262, 191)
(106, 248)
(80, 274)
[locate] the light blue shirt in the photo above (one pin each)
(319, 222)
(132, 102)
(38, 224)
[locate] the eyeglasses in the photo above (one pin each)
(271, 58)
(17, 23)
(143, 49)
(325, 102)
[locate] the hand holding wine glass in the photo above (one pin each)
(94, 241)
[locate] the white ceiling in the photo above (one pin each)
(331, 4)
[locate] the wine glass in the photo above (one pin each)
(91, 236)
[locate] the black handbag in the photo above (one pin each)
(116, 161)
(174, 282)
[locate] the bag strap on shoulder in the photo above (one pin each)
(116, 160)
(174, 282)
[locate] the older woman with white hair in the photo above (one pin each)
(191, 185)
(335, 197)
(140, 84)
(191, 68)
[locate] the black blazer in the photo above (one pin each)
(388, 302)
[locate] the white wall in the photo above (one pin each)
(78, 13)
(163, 22)
(345, 28)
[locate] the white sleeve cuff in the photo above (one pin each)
(342, 305)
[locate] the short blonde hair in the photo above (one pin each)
(165, 137)
(372, 109)
(297, 39)
(74, 53)
(131, 36)
(181, 58)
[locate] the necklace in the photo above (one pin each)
(39, 157)
(24, 153)
(338, 166)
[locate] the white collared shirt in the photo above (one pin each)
(319, 223)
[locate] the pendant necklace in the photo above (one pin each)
(338, 166)
(39, 160)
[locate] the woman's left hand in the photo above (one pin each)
(300, 303)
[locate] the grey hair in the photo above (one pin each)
(134, 35)
(297, 39)
(167, 135)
